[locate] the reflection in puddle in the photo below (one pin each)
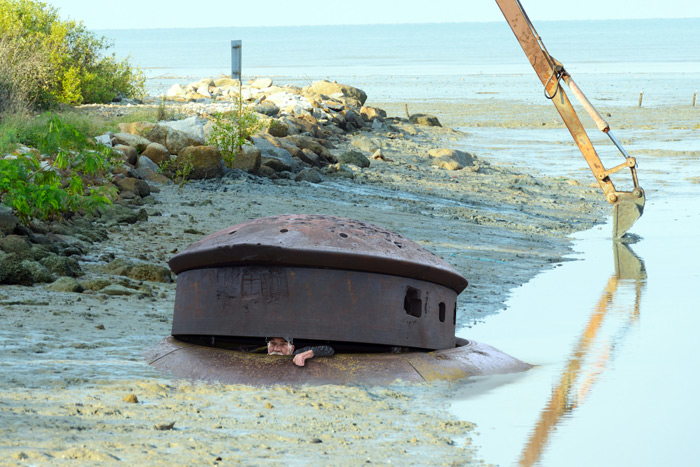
(593, 353)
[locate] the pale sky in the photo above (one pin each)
(128, 14)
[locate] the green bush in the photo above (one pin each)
(46, 61)
(71, 179)
(231, 130)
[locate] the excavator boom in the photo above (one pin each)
(627, 205)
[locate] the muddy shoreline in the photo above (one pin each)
(70, 360)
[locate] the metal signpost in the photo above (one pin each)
(236, 47)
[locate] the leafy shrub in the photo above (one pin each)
(45, 60)
(231, 130)
(72, 180)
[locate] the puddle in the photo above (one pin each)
(614, 348)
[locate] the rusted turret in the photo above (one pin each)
(318, 279)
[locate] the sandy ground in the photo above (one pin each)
(69, 361)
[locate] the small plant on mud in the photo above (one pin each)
(231, 130)
(70, 178)
(178, 171)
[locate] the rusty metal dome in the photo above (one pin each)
(318, 241)
(316, 278)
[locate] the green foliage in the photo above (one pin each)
(178, 171)
(231, 130)
(72, 179)
(46, 61)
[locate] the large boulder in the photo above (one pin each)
(131, 155)
(424, 119)
(62, 266)
(248, 159)
(355, 158)
(261, 83)
(328, 88)
(157, 153)
(221, 82)
(149, 130)
(139, 271)
(8, 221)
(193, 127)
(127, 139)
(206, 161)
(452, 159)
(177, 140)
(278, 159)
(131, 187)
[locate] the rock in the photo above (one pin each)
(132, 185)
(119, 214)
(203, 91)
(273, 157)
(354, 158)
(8, 221)
(95, 284)
(193, 127)
(62, 266)
(130, 153)
(277, 129)
(452, 159)
(13, 272)
(105, 140)
(149, 130)
(289, 101)
(145, 163)
(308, 175)
(424, 119)
(261, 83)
(249, 159)
(372, 113)
(339, 170)
(176, 90)
(157, 153)
(379, 156)
(366, 144)
(18, 245)
(138, 271)
(127, 139)
(267, 108)
(38, 271)
(65, 284)
(328, 88)
(221, 82)
(177, 140)
(116, 289)
(206, 161)
(309, 157)
(131, 399)
(305, 142)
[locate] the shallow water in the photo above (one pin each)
(615, 381)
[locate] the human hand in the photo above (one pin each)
(300, 359)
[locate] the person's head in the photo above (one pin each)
(279, 346)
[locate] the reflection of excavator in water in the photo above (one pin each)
(627, 205)
(594, 351)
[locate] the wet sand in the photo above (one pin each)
(70, 360)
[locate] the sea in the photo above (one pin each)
(612, 332)
(407, 62)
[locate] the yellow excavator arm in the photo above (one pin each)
(627, 205)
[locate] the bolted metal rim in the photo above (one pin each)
(318, 241)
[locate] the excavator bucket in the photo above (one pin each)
(626, 211)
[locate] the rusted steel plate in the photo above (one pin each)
(314, 304)
(194, 362)
(321, 242)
